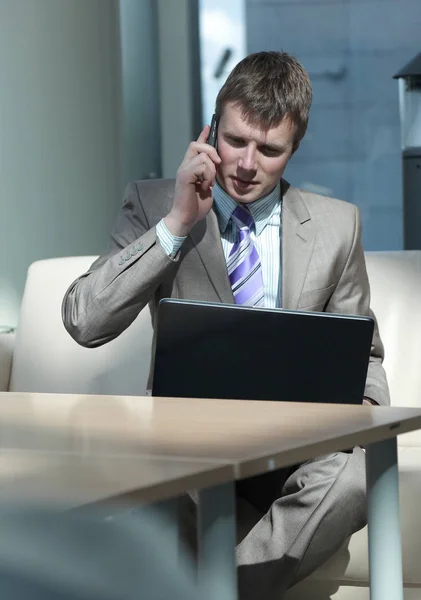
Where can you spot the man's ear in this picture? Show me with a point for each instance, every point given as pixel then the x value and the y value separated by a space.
pixel 295 147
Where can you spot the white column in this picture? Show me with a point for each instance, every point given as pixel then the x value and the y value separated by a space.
pixel 59 134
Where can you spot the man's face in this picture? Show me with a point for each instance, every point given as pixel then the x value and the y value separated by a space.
pixel 253 159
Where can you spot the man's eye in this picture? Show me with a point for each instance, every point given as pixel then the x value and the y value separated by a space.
pixel 270 152
pixel 236 142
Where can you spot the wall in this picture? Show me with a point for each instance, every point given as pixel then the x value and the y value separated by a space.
pixel 59 152
pixel 79 117
pixel 351 49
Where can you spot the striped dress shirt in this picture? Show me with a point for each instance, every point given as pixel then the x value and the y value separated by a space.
pixel 267 213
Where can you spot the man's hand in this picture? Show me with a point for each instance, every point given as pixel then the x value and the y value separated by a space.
pixel 193 197
pixel 369 401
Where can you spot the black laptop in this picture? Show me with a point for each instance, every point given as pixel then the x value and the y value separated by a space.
pixel 211 350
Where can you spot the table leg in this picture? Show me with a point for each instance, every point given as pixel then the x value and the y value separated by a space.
pixel 217 540
pixel 384 538
pixel 167 510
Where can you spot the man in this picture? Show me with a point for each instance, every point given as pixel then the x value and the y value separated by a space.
pixel 231 229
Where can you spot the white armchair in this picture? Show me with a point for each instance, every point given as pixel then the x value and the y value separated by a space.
pixel 7 340
pixel 46 359
pixel 395 279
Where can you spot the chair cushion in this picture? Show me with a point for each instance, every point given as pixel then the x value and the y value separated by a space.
pixel 395 282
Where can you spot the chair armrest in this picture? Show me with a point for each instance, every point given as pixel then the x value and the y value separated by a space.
pixel 7 339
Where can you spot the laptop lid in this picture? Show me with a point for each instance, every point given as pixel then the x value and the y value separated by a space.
pixel 212 350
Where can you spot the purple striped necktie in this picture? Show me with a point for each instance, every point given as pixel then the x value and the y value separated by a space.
pixel 243 264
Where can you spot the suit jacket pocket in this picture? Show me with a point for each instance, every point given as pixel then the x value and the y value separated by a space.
pixel 315 299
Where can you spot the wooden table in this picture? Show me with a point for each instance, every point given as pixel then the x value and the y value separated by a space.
pixel 252 437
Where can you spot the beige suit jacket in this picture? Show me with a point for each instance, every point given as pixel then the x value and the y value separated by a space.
pixel 323 268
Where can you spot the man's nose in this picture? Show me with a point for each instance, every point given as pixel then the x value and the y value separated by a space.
pixel 247 159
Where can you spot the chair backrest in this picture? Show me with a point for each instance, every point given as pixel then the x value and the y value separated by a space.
pixel 46 359
pixel 395 281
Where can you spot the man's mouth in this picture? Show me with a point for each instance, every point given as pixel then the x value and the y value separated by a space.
pixel 243 182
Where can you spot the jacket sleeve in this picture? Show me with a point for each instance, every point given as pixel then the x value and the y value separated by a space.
pixel 105 300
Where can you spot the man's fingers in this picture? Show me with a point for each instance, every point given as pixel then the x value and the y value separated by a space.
pixel 204 134
pixel 200 146
pixel 196 149
pixel 205 170
pixel 209 150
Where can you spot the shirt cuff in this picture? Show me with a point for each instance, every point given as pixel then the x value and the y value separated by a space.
pixel 370 401
pixel 170 243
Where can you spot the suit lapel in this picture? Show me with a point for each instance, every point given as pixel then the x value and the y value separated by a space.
pixel 207 239
pixel 298 237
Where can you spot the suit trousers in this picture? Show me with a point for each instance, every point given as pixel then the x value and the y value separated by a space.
pixel 315 507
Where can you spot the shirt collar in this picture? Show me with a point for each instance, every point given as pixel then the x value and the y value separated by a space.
pixel 261 210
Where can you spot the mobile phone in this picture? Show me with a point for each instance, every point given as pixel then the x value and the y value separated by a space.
pixel 213 134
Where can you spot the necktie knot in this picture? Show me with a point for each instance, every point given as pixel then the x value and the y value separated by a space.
pixel 243 217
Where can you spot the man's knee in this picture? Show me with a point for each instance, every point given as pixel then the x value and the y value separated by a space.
pixel 338 479
pixel 353 490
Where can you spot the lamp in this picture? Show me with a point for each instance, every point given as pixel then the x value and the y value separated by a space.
pixel 409 78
